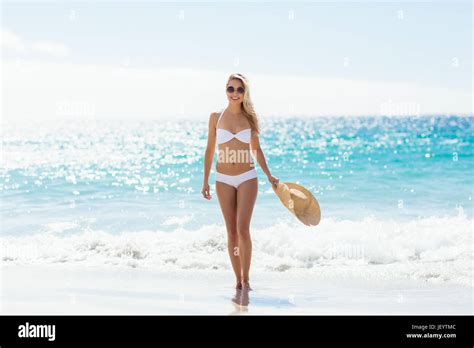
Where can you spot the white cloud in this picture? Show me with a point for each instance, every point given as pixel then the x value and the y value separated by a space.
pixel 49 47
pixel 14 43
pixel 35 89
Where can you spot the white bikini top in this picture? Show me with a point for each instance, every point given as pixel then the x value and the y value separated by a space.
pixel 223 135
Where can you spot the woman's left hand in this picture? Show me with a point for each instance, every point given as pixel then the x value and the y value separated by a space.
pixel 273 180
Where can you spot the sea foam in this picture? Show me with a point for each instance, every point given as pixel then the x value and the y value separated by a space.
pixel 436 249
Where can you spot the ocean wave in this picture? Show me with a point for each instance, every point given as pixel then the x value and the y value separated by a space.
pixel 436 249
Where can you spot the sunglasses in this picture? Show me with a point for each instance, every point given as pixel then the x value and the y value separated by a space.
pixel 231 89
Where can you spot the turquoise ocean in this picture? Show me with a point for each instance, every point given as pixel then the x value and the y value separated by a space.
pixel 393 190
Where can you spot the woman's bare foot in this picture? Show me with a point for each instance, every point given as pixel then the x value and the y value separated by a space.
pixel 246 286
pixel 239 285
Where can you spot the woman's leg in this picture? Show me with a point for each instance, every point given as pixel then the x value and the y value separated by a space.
pixel 227 196
pixel 246 197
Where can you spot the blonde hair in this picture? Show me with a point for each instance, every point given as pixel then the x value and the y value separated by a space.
pixel 247 105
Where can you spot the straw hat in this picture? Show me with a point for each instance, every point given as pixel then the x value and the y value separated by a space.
pixel 300 202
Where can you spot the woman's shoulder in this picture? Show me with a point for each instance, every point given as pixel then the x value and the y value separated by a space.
pixel 214 117
pixel 216 114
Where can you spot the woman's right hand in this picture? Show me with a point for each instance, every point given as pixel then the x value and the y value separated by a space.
pixel 206 192
pixel 273 180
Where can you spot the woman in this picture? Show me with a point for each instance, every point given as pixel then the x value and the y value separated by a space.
pixel 236 131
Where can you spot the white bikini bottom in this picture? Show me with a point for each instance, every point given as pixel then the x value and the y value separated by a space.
pixel 236 180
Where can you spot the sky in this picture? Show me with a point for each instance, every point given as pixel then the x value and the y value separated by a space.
pixel 159 60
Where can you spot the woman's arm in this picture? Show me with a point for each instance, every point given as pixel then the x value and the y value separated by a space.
pixel 209 154
pixel 258 153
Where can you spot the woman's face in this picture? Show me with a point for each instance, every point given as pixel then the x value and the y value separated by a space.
pixel 235 96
